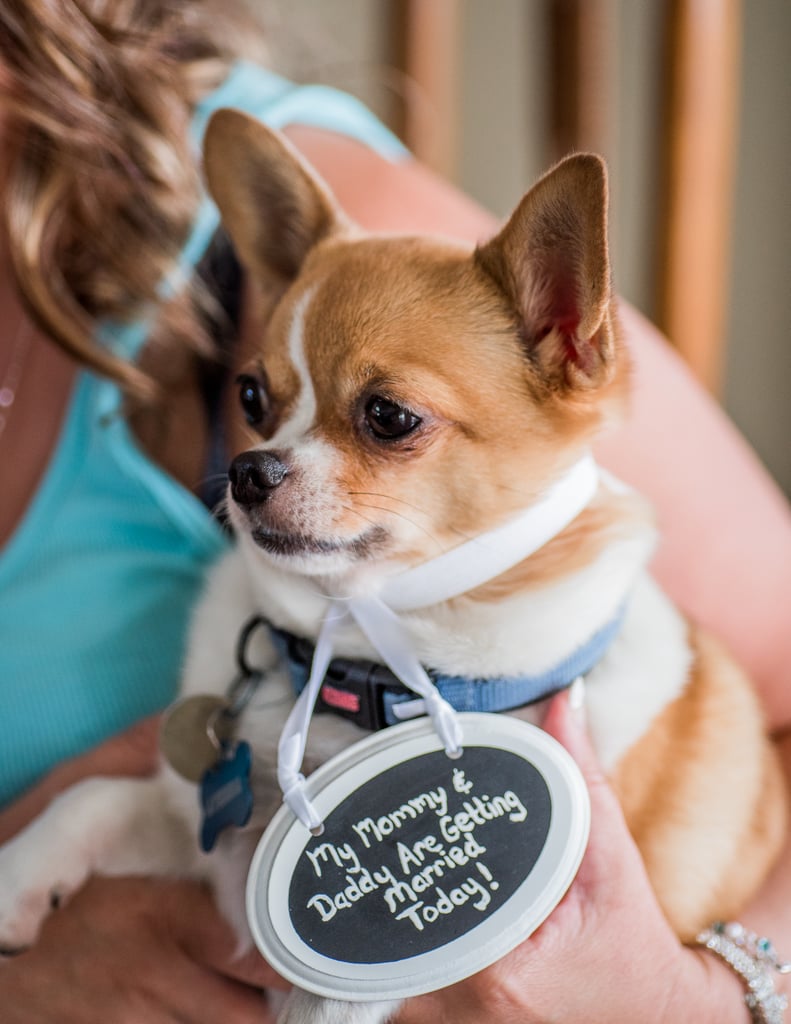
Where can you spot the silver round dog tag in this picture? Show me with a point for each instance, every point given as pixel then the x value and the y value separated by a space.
pixel 192 732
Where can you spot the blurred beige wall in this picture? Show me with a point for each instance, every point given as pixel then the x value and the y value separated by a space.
pixel 502 145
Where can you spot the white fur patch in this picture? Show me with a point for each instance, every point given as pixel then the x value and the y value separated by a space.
pixel 646 669
pixel 316 461
pixel 304 416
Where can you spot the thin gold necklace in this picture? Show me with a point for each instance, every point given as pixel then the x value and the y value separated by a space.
pixel 9 385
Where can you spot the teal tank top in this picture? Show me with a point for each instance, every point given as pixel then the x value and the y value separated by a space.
pixel 98 581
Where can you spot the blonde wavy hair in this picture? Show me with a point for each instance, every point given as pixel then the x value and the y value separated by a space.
pixel 100 183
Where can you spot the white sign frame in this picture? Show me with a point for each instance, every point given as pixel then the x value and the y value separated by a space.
pixel 286 838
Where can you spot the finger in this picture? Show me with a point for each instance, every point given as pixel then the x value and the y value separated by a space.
pixel 207 937
pixel 252 968
pixel 133 752
pixel 565 721
pixel 162 987
pixel 610 847
pixel 200 995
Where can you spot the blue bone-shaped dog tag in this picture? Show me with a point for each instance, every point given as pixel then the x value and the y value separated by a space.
pixel 225 794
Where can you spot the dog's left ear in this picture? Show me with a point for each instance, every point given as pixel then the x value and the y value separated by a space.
pixel 273 205
pixel 551 260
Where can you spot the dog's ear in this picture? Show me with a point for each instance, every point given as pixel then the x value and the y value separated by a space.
pixel 551 260
pixel 274 207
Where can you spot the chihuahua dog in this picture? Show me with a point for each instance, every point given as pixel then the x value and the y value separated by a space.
pixel 408 395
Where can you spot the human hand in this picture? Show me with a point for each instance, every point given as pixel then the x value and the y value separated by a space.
pixel 606 955
pixel 129 950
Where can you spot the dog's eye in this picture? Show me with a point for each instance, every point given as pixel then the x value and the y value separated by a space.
pixel 252 399
pixel 388 421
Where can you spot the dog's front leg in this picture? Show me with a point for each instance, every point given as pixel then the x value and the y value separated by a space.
pixel 304 1008
pixel 99 826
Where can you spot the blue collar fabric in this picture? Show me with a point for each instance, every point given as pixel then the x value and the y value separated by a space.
pixel 367 693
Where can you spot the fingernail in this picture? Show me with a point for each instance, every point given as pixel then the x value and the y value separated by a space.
pixel 577 701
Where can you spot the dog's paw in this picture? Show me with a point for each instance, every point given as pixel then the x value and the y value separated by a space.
pixel 21 917
pixel 305 1008
pixel 33 880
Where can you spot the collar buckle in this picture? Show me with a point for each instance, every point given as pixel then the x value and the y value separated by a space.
pixel 359 690
pixel 356 690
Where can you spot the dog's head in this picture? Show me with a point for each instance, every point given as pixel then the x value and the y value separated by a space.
pixel 409 393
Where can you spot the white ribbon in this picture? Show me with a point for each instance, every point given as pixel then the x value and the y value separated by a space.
pixel 455 572
pixel 490 554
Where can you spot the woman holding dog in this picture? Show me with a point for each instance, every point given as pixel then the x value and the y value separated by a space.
pixel 99 194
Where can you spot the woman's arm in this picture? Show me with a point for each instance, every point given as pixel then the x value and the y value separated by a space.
pixel 725 528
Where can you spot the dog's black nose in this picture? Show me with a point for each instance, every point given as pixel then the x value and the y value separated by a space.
pixel 254 475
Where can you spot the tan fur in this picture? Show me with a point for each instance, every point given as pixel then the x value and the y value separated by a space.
pixel 608 518
pixel 513 359
pixel 703 762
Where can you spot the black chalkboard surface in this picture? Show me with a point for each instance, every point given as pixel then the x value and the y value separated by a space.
pixel 391 878
pixel 428 869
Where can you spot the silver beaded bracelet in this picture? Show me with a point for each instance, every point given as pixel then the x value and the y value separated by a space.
pixel 755 960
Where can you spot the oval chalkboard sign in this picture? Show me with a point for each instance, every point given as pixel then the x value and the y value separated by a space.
pixel 429 868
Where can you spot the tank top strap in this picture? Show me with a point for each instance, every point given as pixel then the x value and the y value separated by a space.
pixel 278 102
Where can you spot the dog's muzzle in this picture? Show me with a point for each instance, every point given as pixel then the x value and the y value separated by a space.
pixel 254 476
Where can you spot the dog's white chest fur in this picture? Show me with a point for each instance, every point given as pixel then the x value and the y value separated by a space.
pixel 644 669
